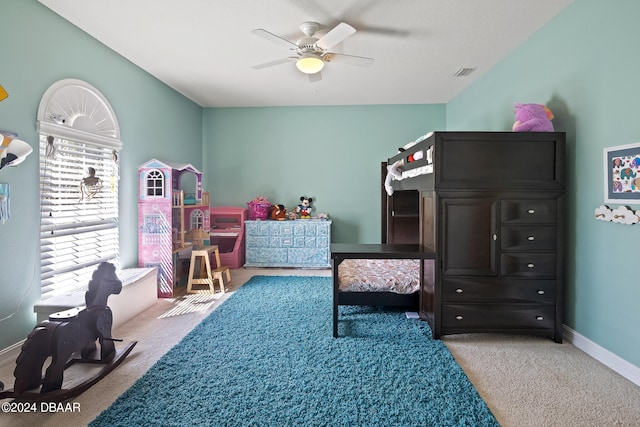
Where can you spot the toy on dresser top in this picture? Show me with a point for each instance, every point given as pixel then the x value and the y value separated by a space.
pixel 532 118
pixel 304 208
pixel 278 212
pixel 263 209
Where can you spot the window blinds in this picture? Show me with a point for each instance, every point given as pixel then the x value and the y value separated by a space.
pixel 79 221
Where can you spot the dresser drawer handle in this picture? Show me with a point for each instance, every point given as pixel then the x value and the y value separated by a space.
pixel 531 238
pixel 531 211
pixel 459 291
pixel 530 265
pixel 539 318
pixel 540 292
pixel 458 317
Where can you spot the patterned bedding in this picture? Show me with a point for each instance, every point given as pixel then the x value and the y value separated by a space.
pixel 401 276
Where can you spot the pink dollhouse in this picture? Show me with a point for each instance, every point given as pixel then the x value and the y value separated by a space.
pixel 171 204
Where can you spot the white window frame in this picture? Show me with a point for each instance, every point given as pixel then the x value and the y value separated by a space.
pixel 78 230
pixel 158 183
pixel 196 220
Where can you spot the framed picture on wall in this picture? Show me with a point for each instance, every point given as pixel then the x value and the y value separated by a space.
pixel 622 174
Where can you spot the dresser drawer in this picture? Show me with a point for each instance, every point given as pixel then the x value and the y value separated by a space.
pixel 498 290
pixel 281 241
pixel 309 257
pixel 528 238
pixel 528 264
pixel 528 211
pixel 493 316
pixel 257 241
pixel 264 256
pixel 284 229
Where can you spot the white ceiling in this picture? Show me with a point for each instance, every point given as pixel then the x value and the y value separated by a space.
pixel 205 50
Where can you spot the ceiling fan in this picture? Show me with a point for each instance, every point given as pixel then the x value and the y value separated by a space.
pixel 311 53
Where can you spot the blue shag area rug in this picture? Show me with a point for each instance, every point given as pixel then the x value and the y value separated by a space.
pixel 267 357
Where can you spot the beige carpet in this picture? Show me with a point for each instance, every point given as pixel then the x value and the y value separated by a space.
pixel 526 381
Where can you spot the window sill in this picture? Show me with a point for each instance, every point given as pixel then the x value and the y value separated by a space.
pixel 139 292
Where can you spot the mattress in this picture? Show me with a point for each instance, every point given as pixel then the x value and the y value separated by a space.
pixel 401 276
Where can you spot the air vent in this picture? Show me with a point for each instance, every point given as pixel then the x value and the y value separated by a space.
pixel 463 72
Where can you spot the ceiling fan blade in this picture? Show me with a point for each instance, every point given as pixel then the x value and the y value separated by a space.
pixel 273 38
pixel 335 36
pixel 316 77
pixel 272 63
pixel 360 61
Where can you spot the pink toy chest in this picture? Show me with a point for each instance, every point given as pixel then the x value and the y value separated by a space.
pixel 227 231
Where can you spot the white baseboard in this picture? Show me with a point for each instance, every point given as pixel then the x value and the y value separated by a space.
pixel 10 354
pixel 604 356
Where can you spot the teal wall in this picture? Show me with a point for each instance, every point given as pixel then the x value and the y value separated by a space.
pixel 38 48
pixel 331 154
pixel 583 66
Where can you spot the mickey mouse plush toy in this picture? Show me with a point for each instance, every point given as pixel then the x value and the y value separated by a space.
pixel 304 208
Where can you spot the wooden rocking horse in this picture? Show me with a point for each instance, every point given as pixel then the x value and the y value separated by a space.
pixel 65 336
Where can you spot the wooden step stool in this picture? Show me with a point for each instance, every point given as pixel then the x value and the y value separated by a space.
pixel 207 276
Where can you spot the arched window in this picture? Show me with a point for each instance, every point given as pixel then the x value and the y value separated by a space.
pixel 196 220
pixel 155 183
pixel 79 148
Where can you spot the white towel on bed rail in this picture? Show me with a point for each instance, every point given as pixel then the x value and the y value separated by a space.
pixel 401 276
pixel 395 171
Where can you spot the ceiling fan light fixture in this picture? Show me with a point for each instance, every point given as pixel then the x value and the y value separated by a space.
pixel 310 63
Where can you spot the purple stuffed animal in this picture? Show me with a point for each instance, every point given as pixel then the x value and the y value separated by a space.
pixel 532 118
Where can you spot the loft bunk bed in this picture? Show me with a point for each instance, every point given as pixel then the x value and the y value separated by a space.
pixel 491 210
pixel 388 274
pixel 489 227
pixel 376 275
